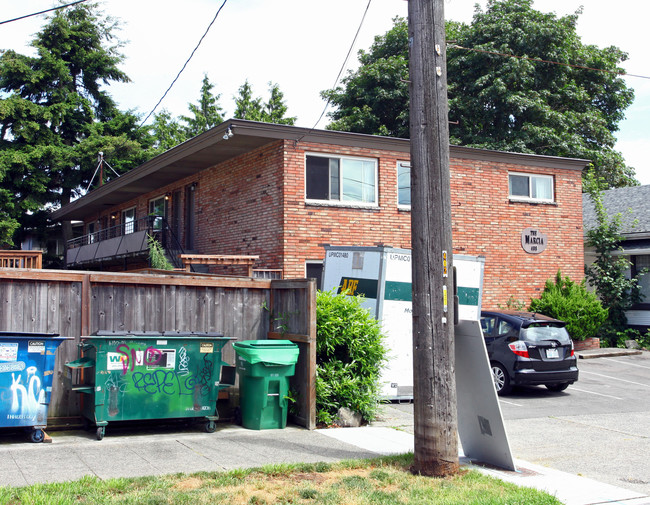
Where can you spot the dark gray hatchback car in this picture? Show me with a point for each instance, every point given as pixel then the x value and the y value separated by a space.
pixel 528 349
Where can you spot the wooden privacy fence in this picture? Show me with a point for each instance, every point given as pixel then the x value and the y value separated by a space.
pixel 74 303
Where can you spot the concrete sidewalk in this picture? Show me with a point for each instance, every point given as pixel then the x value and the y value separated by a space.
pixel 130 453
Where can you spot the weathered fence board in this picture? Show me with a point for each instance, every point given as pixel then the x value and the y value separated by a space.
pixel 82 303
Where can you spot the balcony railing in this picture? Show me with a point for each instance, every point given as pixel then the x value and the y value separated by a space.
pixel 127 239
pixel 21 259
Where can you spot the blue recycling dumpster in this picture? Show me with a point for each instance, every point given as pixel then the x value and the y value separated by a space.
pixel 26 371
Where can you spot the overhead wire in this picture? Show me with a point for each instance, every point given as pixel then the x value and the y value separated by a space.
pixel 42 12
pixel 185 64
pixel 345 62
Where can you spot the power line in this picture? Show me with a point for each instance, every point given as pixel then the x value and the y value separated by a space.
pixel 345 62
pixel 42 12
pixel 539 60
pixel 185 64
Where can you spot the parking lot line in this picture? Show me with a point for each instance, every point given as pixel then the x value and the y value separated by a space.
pixel 615 378
pixel 594 393
pixel 626 363
pixel 510 403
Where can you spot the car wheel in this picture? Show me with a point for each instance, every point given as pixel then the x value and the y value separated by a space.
pixel 501 379
pixel 557 387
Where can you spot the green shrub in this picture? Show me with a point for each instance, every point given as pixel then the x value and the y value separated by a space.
pixel 157 258
pixel 572 303
pixel 349 357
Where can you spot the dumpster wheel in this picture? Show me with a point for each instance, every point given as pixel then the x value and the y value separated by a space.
pixel 210 427
pixel 101 431
pixel 37 436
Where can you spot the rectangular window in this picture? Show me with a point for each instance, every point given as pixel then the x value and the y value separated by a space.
pixel 641 262
pixel 158 208
pixel 314 270
pixel 530 187
pixel 128 221
pixel 404 183
pixel 341 179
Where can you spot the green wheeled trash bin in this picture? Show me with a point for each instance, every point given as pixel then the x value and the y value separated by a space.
pixel 264 368
pixel 26 369
pixel 129 376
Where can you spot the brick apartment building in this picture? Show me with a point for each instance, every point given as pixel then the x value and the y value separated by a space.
pixel 282 193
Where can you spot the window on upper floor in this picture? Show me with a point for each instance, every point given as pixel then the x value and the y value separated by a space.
pixel 158 208
pixel 530 187
pixel 128 221
pixel 338 179
pixel 404 184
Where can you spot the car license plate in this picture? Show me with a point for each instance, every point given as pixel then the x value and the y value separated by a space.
pixel 552 353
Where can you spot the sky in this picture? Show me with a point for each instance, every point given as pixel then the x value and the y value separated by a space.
pixel 301 45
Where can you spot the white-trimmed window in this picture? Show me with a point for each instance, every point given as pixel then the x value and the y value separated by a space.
pixel 128 221
pixel 339 179
pixel 530 187
pixel 158 208
pixel 404 184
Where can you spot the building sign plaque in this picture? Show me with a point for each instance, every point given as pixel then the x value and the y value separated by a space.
pixel 533 241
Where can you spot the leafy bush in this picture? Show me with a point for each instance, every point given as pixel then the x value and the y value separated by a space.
pixel 572 303
pixel 349 357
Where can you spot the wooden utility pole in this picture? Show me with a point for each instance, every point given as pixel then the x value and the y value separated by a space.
pixel 434 391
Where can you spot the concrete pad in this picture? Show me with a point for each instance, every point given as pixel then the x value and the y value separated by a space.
pixel 384 441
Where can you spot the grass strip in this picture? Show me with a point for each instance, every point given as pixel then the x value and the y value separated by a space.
pixel 379 481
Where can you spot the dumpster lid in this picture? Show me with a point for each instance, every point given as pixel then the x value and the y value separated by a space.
pixel 30 334
pixel 105 334
pixel 278 352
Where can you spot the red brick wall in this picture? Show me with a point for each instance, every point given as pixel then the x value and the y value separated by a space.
pixel 485 222
pixel 239 205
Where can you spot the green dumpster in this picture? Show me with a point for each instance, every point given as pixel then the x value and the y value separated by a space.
pixel 264 368
pixel 127 376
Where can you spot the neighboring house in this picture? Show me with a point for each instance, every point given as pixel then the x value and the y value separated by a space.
pixel 283 192
pixel 633 204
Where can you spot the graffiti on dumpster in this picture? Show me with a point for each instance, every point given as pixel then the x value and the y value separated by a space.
pixel 126 358
pixel 167 382
pixel 28 396
pixel 183 361
pixel 160 375
pixel 205 373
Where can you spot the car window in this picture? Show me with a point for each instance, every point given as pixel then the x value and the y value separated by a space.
pixel 505 328
pixel 540 332
pixel 487 325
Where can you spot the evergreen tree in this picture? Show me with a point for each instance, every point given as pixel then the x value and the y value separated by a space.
pixel 275 109
pixel 247 107
pixel 55 116
pixel 206 114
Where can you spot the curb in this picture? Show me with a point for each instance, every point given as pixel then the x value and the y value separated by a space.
pixel 607 352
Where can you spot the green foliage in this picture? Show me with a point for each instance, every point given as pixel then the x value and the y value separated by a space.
pixel 500 102
pixel 608 274
pixel 349 357
pixel 570 302
pixel 55 116
pixel 513 304
pixel 254 109
pixel 206 114
pixel 157 258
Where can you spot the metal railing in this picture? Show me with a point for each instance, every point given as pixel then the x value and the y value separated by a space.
pixel 156 227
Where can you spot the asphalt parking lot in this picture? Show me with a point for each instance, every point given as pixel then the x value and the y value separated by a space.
pixel 599 427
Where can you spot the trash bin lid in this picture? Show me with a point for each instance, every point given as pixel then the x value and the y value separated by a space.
pixel 35 335
pixel 279 352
